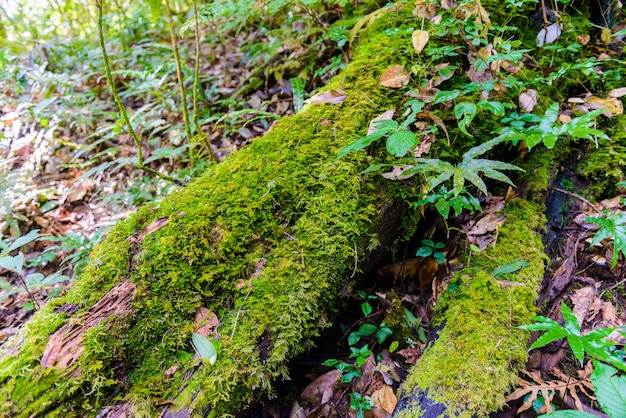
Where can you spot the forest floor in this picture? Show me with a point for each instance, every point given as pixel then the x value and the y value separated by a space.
pixel 53 186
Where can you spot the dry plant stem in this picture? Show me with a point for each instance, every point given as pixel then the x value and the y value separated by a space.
pixel 574 195
pixel 120 105
pixel 28 291
pixel 196 78
pixel 179 76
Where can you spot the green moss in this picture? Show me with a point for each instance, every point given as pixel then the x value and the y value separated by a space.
pixel 604 166
pixel 474 362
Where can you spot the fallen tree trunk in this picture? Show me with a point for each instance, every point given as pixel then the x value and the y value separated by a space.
pixel 253 255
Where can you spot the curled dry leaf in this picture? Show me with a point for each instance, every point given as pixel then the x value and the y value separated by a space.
pixel 583 39
pixel 394 77
pixel 335 96
pixel 321 389
pixel 420 39
pixel 528 100
pixel 549 34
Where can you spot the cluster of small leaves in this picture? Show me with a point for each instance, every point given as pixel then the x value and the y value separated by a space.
pixel 545 129
pixel 15 264
pixel 611 226
pixel 430 248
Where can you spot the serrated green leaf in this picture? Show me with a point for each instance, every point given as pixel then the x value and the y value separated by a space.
pixel 548 337
pixel 578 349
pixel 353 338
pixel 609 389
pixel 383 127
pixel 571 322
pixel 20 241
pixel 204 347
pixel 401 142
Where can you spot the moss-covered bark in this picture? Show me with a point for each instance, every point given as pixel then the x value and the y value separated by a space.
pixel 263 240
pixel 474 361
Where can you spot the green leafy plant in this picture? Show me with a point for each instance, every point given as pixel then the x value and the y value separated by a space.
pixel 445 199
pixel 611 226
pixel 545 129
pixel 15 263
pixel 594 343
pixel 430 248
pixel 360 404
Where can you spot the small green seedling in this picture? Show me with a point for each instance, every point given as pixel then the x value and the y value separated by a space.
pixel 434 249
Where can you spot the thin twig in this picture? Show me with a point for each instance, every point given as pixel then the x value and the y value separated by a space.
pixel 574 195
pixel 196 78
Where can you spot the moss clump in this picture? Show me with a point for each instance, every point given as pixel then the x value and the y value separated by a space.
pixel 475 360
pixel 604 166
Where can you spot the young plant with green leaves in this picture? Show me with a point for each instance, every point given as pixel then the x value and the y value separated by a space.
pixel 594 343
pixel 612 226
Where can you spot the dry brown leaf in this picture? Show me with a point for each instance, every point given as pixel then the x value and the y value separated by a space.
pixel 617 93
pixel 437 120
pixel 206 323
pixel 425 9
pixel 388 115
pixel 335 96
pixel 438 78
pixel 424 93
pixel 396 173
pixel 297 411
pixel 394 77
pixel 583 39
pixel 420 39
pixel 528 100
pixel 611 105
pixel 321 389
pixel 385 398
pixel 582 300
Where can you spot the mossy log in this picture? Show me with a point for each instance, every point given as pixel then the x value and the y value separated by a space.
pixel 254 254
pixel 478 348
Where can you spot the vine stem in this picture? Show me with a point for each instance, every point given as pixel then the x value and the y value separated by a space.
pixel 179 76
pixel 107 69
pixel 196 77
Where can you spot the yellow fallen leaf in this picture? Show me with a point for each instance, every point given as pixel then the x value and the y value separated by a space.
pixel 394 77
pixel 611 105
pixel 420 39
pixel 385 398
pixel 605 35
